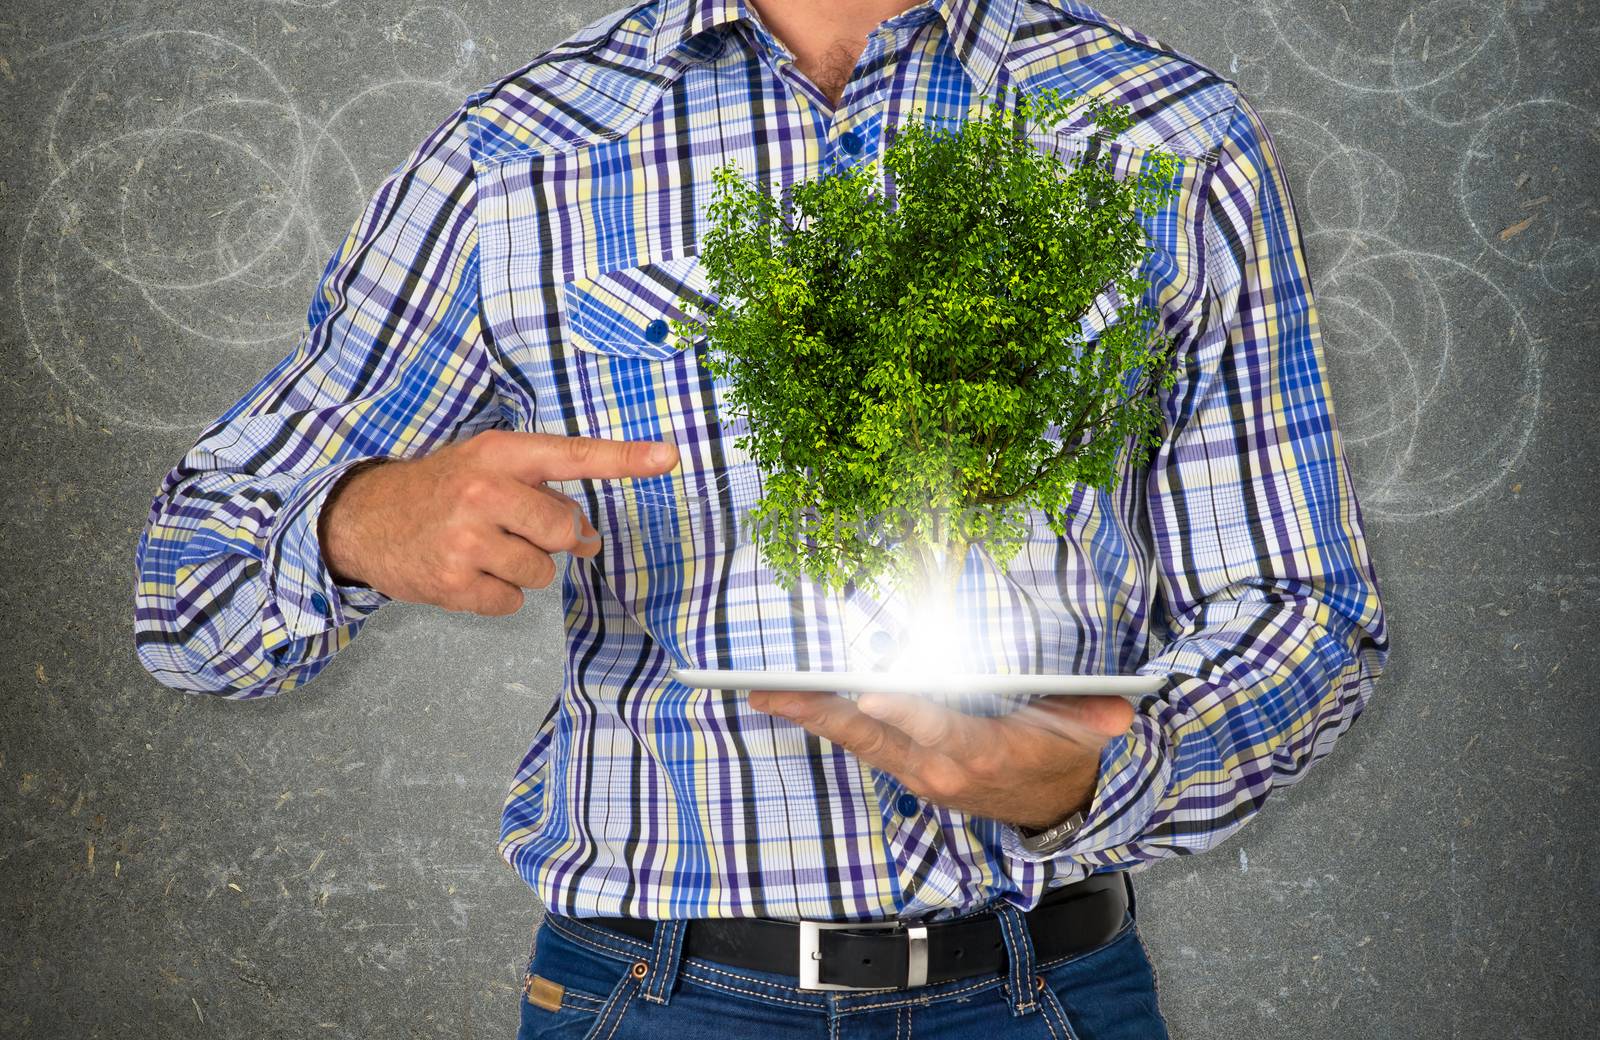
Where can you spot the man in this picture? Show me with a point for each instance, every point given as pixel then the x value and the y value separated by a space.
pixel 497 322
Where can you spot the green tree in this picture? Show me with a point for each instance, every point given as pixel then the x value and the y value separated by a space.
pixel 910 363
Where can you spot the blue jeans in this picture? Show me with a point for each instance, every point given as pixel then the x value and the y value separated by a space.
pixel 614 987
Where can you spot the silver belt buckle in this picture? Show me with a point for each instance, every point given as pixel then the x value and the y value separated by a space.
pixel 811 952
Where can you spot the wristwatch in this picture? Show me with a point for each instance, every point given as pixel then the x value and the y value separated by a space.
pixel 1051 839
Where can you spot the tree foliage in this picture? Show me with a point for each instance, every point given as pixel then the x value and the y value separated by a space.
pixel 910 362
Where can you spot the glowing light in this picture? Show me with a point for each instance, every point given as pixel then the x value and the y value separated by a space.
pixel 933 644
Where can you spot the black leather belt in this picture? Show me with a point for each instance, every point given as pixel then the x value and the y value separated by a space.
pixel 900 954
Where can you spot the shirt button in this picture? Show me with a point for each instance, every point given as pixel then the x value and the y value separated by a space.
pixel 850 142
pixel 907 804
pixel 656 331
pixel 319 603
pixel 881 642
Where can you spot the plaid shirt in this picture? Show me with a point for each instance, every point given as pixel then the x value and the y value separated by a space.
pixel 519 270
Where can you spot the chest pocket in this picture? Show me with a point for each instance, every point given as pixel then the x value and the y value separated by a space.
pixel 629 312
pixel 1170 242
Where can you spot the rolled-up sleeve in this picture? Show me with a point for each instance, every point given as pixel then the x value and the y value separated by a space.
pixel 232 595
pixel 1276 629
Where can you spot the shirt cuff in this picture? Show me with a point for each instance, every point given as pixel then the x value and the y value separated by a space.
pixel 309 601
pixel 1135 775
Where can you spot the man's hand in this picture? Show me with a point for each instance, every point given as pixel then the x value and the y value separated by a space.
pixel 1034 767
pixel 469 526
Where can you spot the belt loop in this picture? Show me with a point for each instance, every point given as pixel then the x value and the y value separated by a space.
pixel 1021 990
pixel 665 949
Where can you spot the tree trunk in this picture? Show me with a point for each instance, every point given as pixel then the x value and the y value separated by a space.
pixel 955 559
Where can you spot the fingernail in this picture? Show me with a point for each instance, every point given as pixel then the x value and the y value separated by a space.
pixel 662 453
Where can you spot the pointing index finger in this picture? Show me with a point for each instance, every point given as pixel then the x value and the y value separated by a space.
pixel 544 457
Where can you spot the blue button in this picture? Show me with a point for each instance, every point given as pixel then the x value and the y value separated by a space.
pixel 850 142
pixel 907 804
pixel 881 642
pixel 656 331
pixel 319 603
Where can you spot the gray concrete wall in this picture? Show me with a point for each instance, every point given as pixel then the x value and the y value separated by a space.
pixel 176 172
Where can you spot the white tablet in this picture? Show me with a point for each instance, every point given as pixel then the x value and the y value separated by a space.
pixel 945 683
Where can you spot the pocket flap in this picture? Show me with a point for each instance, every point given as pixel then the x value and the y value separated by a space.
pixel 628 312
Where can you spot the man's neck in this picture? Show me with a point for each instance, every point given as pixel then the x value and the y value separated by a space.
pixel 827 39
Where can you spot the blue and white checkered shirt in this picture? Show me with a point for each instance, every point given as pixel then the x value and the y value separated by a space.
pixel 517 272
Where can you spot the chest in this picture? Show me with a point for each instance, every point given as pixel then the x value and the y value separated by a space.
pixel 587 257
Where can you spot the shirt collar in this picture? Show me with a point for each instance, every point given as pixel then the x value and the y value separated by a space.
pixel 679 21
pixel 980 34
pixel 980 30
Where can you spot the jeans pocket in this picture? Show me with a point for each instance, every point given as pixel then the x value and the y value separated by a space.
pixel 573 993
pixel 1107 993
pixel 568 1021
pixel 1055 1016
